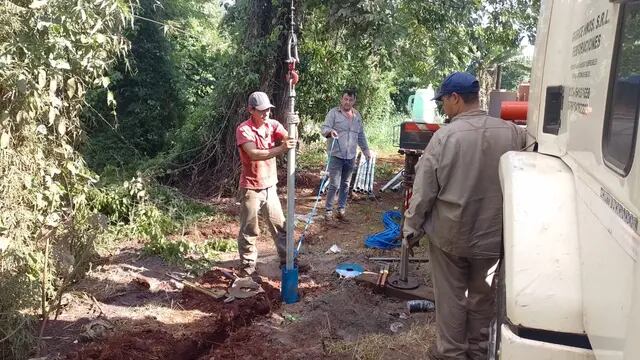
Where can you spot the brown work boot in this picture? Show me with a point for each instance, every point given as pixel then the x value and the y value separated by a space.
pixel 328 216
pixel 246 270
pixel 250 272
pixel 256 278
pixel 303 267
pixel 341 215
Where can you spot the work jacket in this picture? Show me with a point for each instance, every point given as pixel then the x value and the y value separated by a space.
pixel 457 200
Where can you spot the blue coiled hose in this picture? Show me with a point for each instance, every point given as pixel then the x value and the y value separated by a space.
pixel 390 237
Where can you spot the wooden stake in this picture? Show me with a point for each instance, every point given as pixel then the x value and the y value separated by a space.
pixel 217 294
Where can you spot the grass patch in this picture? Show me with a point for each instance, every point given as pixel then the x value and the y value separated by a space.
pixel 313 156
pixel 195 258
pixel 385 171
pixel 181 209
pixel 382 135
pixel 411 344
pixel 151 212
pixel 17 333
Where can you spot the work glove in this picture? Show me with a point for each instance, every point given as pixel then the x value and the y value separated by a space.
pixel 410 241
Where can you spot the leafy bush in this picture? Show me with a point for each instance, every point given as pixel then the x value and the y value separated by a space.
pixel 140 208
pixel 193 257
pixel 51 53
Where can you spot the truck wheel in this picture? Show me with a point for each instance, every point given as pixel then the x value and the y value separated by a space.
pixel 501 315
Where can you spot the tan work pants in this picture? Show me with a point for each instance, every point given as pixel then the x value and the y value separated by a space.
pixel 460 316
pixel 266 203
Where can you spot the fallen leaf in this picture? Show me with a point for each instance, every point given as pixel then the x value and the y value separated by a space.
pixel 5 139
pixel 38 4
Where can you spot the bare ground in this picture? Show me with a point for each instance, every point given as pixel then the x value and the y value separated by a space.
pixel 128 308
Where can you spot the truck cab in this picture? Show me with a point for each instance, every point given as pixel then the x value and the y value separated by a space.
pixel 569 283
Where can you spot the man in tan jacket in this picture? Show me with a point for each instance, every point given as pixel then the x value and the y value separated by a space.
pixel 457 203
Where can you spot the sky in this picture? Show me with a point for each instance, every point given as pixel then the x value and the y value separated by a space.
pixel 527 49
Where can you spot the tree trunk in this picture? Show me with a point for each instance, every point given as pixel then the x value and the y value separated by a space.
pixel 486 78
pixel 215 170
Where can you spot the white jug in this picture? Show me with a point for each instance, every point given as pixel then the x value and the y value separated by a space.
pixel 421 107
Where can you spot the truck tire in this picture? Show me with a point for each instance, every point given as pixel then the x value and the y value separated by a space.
pixel 501 315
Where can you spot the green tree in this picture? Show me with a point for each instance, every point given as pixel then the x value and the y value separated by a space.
pixel 145 89
pixel 515 72
pixel 383 48
pixel 51 53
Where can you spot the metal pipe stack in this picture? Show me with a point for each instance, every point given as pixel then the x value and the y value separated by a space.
pixel 397 185
pixel 395 182
pixel 371 176
pixel 365 175
pixel 359 174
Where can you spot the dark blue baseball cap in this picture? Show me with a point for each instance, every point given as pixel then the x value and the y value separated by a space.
pixel 458 82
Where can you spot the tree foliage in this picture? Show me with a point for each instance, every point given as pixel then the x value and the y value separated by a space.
pixel 181 102
pixel 159 87
pixel 51 52
pixel 144 89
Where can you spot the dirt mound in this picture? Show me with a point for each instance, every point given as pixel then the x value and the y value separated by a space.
pixel 203 231
pixel 241 310
pixel 308 180
pixel 156 318
pixel 247 344
pixel 150 341
pixel 151 344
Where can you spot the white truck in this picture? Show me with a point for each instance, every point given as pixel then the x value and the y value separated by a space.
pixel 570 280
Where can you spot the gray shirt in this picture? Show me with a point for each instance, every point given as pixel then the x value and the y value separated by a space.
pixel 457 200
pixel 350 133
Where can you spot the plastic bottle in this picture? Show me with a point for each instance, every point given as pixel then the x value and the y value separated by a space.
pixel 414 306
pixel 421 107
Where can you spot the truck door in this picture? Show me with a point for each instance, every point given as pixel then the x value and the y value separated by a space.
pixel 602 114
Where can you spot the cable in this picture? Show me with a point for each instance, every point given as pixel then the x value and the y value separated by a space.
pixel 390 237
pixel 313 212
